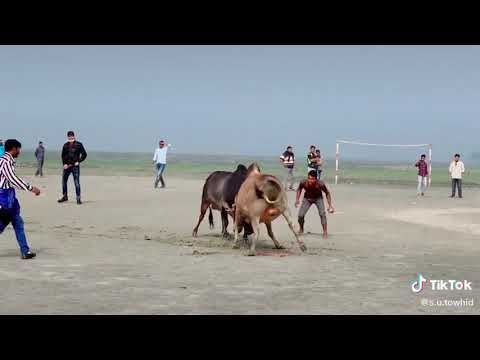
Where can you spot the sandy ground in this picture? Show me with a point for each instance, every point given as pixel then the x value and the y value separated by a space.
pixel 94 258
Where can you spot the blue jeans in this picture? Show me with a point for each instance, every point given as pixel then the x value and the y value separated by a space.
pixel 319 173
pixel 10 213
pixel 160 169
pixel 75 170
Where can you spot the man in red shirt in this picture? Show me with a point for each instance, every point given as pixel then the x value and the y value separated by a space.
pixel 422 175
pixel 314 190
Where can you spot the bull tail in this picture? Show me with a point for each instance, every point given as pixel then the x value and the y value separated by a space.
pixel 210 218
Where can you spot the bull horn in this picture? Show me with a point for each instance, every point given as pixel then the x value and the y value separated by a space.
pixel 265 197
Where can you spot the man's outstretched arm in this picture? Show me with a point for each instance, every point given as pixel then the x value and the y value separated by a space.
pixel 12 177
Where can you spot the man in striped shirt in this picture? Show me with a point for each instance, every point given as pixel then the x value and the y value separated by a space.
pixel 9 205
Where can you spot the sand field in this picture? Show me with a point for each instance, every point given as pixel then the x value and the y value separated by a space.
pixel 128 250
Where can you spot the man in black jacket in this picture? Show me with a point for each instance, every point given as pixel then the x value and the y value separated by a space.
pixel 73 153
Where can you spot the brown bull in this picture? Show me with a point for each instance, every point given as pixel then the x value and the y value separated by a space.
pixel 262 199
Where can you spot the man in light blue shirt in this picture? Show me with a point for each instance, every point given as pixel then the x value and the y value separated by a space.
pixel 160 161
pixel 2 148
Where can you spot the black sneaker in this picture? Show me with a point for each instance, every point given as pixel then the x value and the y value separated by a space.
pixel 28 255
pixel 79 202
pixel 63 199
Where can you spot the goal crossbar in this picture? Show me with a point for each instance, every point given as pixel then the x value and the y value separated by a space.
pixel 337 160
pixel 370 144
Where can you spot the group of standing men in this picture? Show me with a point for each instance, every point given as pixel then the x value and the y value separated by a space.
pixel 73 153
pixel 456 170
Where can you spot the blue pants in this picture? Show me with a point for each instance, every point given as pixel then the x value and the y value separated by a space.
pixel 75 170
pixel 11 214
pixel 159 177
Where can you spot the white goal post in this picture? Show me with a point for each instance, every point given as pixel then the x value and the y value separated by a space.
pixel 337 160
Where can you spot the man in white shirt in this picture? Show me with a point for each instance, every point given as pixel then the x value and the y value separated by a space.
pixel 160 161
pixel 456 169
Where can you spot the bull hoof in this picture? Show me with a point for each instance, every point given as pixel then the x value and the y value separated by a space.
pixel 194 234
pixel 303 247
pixel 279 247
pixel 251 253
pixel 236 246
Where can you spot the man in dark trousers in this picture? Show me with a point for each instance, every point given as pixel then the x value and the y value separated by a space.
pixel 73 153
pixel 9 205
pixel 314 190
pixel 40 155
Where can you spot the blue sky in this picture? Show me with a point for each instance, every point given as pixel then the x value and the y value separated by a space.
pixel 251 100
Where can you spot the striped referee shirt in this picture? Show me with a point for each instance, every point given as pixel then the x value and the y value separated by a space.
pixel 8 178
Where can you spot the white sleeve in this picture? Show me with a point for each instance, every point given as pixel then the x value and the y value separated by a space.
pixel 155 155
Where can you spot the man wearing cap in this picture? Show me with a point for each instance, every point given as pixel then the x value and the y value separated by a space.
pixel 73 153
pixel 160 161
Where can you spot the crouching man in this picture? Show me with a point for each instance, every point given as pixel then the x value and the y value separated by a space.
pixel 314 190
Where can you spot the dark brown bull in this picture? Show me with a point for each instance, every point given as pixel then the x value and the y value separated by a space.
pixel 219 193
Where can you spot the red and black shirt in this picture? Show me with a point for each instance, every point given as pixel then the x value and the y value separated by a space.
pixel 313 190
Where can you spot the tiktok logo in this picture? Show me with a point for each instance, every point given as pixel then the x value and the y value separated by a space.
pixel 419 285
